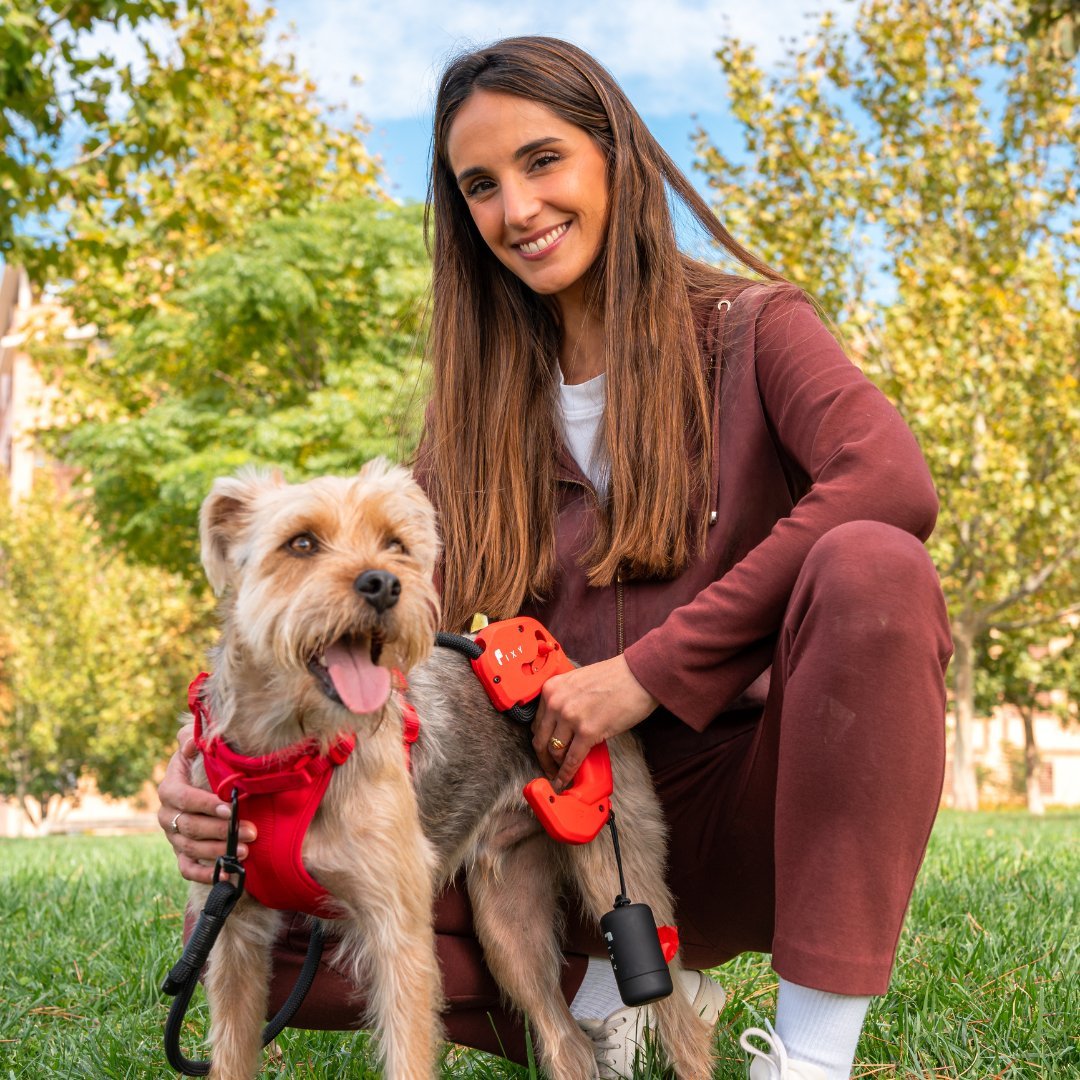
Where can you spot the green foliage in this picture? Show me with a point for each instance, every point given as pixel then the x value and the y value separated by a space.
pixel 1031 668
pixel 919 175
pixel 48 79
pixel 96 654
pixel 297 349
pixel 256 298
pixel 217 133
pixel 223 133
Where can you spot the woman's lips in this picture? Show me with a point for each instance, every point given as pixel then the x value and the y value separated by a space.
pixel 540 246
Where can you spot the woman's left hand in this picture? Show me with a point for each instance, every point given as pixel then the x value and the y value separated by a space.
pixel 582 708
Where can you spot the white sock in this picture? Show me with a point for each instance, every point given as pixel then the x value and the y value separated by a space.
pixel 598 995
pixel 820 1028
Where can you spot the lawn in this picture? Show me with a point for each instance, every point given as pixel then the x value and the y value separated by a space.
pixel 987 982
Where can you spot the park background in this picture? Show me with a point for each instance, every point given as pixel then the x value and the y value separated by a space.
pixel 213 255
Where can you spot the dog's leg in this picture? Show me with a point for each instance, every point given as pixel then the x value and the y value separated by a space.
pixel 238 988
pixel 686 1040
pixel 388 940
pixel 513 895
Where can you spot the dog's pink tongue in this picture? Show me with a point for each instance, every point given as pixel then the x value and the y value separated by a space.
pixel 362 685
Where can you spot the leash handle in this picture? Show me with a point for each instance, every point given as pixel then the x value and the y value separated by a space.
pixel 576 814
pixel 513 658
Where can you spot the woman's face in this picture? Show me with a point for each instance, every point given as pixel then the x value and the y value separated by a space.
pixel 536 186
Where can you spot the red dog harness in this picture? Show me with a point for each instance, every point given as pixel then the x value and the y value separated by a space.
pixel 279 793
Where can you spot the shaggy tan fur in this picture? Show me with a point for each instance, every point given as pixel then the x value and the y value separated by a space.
pixel 287 561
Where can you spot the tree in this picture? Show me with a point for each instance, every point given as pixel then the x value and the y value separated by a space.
pixel 95 660
pixel 1033 669
pixel 50 82
pixel 297 348
pixel 1056 23
pixel 219 135
pixel 919 175
pixel 255 295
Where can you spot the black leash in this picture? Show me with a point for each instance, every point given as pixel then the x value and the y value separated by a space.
pixel 181 981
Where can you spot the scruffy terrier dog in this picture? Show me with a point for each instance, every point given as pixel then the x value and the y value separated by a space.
pixel 326 587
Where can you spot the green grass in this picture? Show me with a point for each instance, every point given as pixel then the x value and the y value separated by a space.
pixel 987 981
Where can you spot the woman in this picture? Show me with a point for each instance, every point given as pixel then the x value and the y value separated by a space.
pixel 681 474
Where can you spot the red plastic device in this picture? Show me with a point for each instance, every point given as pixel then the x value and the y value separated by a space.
pixel 519 656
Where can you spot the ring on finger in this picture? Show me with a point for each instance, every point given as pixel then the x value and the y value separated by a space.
pixel 556 744
pixel 176 821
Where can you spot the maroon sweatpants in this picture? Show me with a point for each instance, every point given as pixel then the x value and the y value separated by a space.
pixel 797 830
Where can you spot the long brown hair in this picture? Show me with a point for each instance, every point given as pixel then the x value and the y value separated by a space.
pixel 490 443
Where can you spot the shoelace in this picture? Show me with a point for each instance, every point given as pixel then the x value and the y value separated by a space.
pixel 600 1034
pixel 776 1055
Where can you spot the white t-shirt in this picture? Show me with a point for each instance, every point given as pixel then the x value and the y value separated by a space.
pixel 581 410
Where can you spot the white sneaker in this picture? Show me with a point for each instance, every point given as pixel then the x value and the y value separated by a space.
pixel 775 1064
pixel 619 1039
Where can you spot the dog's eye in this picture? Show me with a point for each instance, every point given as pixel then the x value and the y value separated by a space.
pixel 395 545
pixel 304 544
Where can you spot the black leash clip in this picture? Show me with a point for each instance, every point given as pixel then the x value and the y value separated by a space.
pixel 222 899
pixel 229 865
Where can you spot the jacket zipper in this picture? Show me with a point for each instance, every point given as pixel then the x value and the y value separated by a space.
pixel 619 636
pixel 620 633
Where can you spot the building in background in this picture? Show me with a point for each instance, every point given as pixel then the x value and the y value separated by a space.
pixel 27 402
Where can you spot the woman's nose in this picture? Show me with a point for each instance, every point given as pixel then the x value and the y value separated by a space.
pixel 520 204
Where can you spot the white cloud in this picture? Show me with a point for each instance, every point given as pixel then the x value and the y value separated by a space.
pixel 661 53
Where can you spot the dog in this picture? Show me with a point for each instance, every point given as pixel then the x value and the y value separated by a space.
pixel 325 587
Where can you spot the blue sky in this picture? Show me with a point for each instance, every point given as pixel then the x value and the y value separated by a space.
pixel 381 58
pixel 661 53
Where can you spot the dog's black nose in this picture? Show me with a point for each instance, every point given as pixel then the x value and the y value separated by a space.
pixel 379 588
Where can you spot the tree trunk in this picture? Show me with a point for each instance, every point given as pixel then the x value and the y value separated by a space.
pixel 1031 764
pixel 965 788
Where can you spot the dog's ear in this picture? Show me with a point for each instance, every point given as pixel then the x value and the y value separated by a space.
pixel 375 468
pixel 225 512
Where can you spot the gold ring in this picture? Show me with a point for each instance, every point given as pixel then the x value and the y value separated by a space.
pixel 176 820
pixel 556 743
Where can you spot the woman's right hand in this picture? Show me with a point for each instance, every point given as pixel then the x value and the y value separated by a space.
pixel 195 821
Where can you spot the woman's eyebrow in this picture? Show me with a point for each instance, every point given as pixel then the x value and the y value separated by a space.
pixel 519 153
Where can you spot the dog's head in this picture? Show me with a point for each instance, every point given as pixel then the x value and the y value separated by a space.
pixel 329 582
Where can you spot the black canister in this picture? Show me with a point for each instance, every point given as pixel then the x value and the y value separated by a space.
pixel 636 957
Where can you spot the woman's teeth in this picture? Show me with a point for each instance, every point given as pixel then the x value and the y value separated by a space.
pixel 534 247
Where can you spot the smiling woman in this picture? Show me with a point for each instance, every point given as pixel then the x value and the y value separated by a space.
pixel 681 475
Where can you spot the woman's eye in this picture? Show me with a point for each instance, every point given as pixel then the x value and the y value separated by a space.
pixel 304 544
pixel 478 187
pixel 396 546
pixel 544 160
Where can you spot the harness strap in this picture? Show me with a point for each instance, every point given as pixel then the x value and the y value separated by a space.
pixel 410 718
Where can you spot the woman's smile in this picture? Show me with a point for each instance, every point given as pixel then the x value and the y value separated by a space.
pixel 535 247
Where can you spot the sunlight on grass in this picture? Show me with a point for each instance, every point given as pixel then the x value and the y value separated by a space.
pixel 987 980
